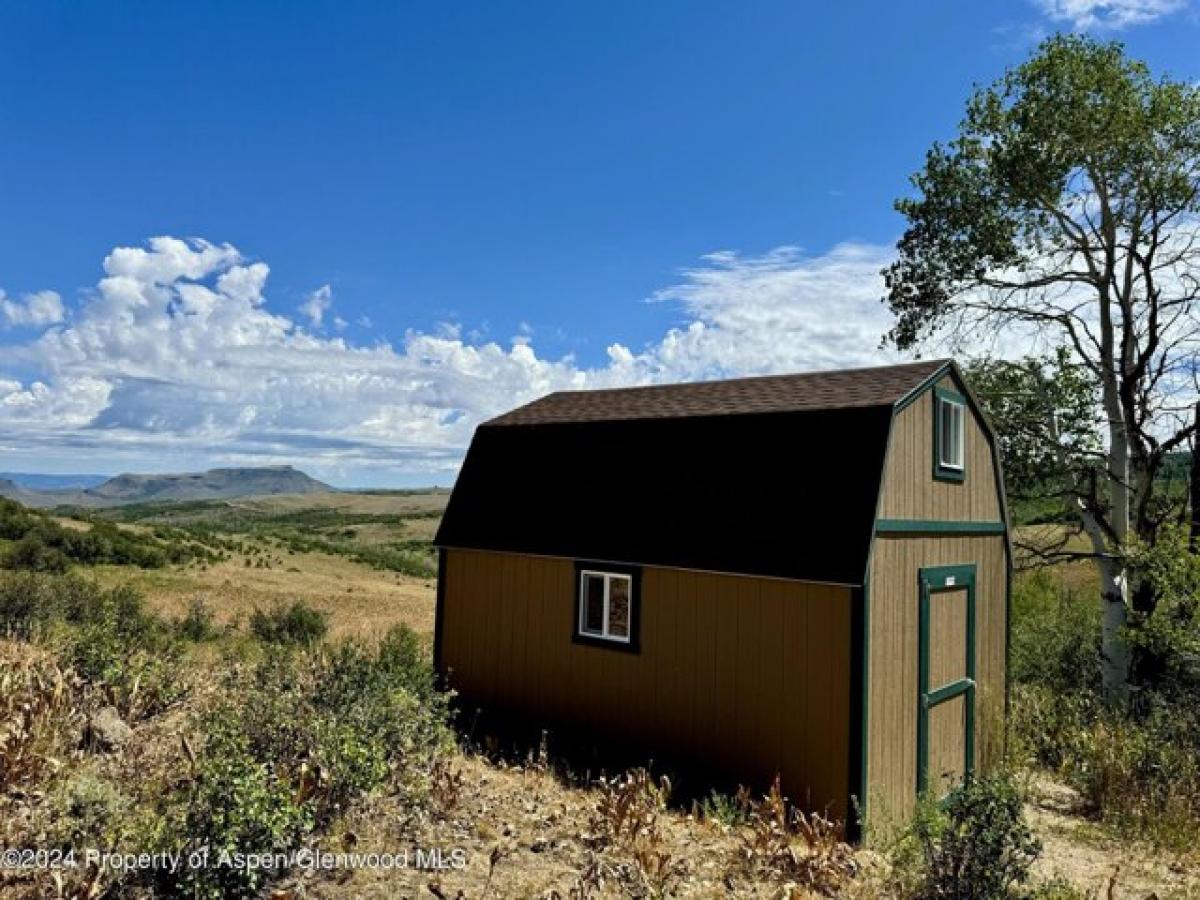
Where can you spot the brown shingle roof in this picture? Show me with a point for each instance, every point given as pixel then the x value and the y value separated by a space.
pixel 805 391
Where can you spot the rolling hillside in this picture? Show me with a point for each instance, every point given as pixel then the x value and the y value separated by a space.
pixel 215 484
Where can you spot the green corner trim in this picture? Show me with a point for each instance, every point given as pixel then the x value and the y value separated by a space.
pixel 865 712
pixel 929 526
pixel 934 377
pixel 940 472
pixel 932 580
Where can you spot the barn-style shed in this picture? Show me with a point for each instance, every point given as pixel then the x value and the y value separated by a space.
pixel 804 575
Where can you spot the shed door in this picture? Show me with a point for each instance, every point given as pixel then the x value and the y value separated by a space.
pixel 946 678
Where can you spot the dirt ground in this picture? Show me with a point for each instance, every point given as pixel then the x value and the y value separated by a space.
pixel 525 835
pixel 1076 849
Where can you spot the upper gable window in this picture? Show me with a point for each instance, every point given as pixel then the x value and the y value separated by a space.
pixel 949 436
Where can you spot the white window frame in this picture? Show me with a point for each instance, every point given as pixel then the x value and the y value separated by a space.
pixel 960 438
pixel 603 634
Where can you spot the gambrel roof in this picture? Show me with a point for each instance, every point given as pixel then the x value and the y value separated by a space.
pixel 775 475
pixel 801 392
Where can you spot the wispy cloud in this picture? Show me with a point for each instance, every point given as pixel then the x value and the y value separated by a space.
pixel 176 355
pixel 33 310
pixel 317 304
pixel 1114 15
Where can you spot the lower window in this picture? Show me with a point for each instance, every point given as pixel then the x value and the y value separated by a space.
pixel 606 606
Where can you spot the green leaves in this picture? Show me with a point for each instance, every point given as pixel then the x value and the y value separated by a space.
pixel 978 846
pixel 297 740
pixel 1075 151
pixel 1044 411
pixel 1168 640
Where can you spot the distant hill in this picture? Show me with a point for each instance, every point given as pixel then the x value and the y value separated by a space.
pixel 38 482
pixel 10 490
pixel 215 484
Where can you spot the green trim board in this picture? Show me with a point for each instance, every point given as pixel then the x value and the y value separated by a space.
pixel 934 377
pixel 930 526
pixel 932 580
pixel 948 691
pixel 940 472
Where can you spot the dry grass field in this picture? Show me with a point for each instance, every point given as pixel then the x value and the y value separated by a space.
pixel 361 602
pixel 530 827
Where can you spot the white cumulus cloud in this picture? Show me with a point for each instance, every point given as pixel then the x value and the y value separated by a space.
pixel 1109 14
pixel 176 356
pixel 35 310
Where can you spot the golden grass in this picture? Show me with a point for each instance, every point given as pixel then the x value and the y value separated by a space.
pixel 432 501
pixel 1078 574
pixel 361 602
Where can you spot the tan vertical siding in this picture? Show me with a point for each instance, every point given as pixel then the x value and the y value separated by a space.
pixel 750 675
pixel 893 648
pixel 947 637
pixel 909 489
pixel 947 721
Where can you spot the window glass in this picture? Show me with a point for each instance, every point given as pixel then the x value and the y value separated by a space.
pixel 944 432
pixel 618 606
pixel 606 606
pixel 593 604
pixel 950 434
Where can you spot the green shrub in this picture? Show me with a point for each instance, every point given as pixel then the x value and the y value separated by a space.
pixel 29 603
pixel 297 624
pixel 108 637
pixel 238 804
pixel 1166 640
pixel 87 811
pixel 402 660
pixel 120 647
pixel 1045 725
pixel 32 554
pixel 730 810
pixel 1142 775
pixel 295 741
pixel 1139 768
pixel 407 557
pixel 43 545
pixel 199 623
pixel 1055 635
pixel 1057 888
pixel 974 845
pixel 34 601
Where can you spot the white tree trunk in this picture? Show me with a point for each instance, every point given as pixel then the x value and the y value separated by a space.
pixel 1114 584
pixel 1114 580
pixel 1114 649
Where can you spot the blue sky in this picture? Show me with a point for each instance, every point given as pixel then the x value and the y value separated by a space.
pixel 460 206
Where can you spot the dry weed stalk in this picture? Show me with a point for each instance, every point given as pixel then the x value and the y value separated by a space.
pixel 589 883
pixel 628 817
pixel 446 785
pixel 37 710
pixel 783 842
pixel 628 806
